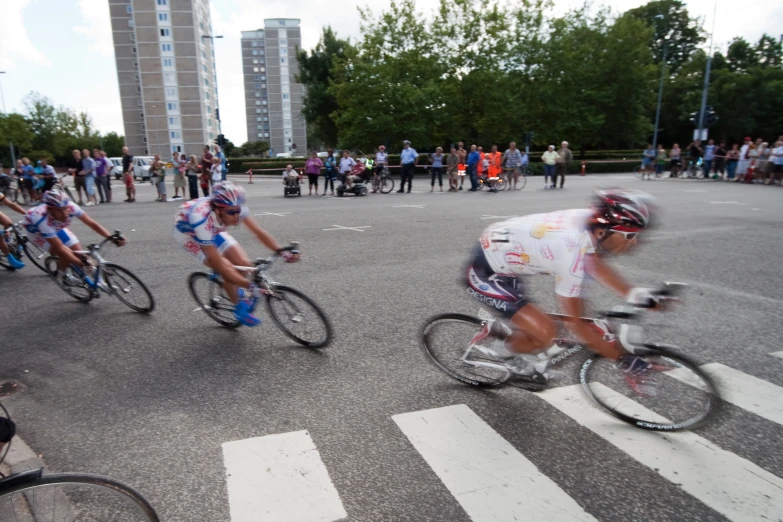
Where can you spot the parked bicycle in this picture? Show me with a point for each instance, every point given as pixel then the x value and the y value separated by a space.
pixel 99 276
pixel 677 395
pixel 19 244
pixel 298 316
pixel 383 182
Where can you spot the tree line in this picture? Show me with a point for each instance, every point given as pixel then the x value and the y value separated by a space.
pixel 492 71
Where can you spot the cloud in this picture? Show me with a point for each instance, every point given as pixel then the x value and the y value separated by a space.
pixel 95 14
pixel 14 43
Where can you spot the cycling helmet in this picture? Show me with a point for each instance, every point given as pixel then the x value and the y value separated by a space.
pixel 55 198
pixel 626 210
pixel 226 194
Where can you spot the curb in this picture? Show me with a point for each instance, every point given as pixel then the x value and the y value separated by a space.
pixel 21 458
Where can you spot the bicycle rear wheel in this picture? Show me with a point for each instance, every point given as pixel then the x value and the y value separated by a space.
pixel 299 317
pixel 211 298
pixel 673 395
pixel 122 283
pixel 449 341
pixel 386 184
pixel 36 254
pixel 12 241
pixel 73 498
pixel 77 289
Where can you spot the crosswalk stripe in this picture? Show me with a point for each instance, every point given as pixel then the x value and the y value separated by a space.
pixel 489 478
pixel 777 354
pixel 279 478
pixel 729 484
pixel 746 391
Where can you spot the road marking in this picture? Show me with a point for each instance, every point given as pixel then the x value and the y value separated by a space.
pixel 694 191
pixel 279 478
pixel 281 214
pixel 746 391
pixel 489 478
pixel 357 229
pixel 197 309
pixel 777 354
pixel 729 484
pixel 725 203
pixel 487 216
pixel 408 206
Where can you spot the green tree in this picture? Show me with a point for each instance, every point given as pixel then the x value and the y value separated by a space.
pixel 229 148
pixel 14 127
pixel 741 55
pixel 112 144
pixel 253 148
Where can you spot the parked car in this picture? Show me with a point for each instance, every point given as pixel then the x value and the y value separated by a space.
pixel 141 167
pixel 116 169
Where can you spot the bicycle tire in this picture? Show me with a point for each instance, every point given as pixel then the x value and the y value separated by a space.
pixel 12 243
pixel 427 338
pixel 676 371
pixel 216 296
pixel 36 255
pixel 53 270
pixel 638 171
pixel 386 184
pixel 73 497
pixel 111 272
pixel 279 295
pixel 522 180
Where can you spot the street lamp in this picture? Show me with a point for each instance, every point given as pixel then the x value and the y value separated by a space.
pixel 214 65
pixel 707 76
pixel 660 91
pixel 10 142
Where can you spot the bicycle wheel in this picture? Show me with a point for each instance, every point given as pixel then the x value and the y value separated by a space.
pixel 13 247
pixel 78 289
pixel 449 341
pixel 211 298
pixel 386 184
pixel 499 184
pixel 522 181
pixel 36 254
pixel 673 395
pixel 73 498
pixel 299 317
pixel 122 282
pixel 638 171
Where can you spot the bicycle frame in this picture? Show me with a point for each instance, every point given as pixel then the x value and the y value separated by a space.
pixel 94 252
pixel 259 276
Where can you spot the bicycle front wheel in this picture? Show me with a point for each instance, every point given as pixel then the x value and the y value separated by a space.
pixel 450 341
pixel 299 317
pixel 211 298
pixel 36 254
pixel 386 185
pixel 673 394
pixel 75 498
pixel 128 288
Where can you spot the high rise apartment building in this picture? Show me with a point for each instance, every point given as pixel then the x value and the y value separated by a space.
pixel 166 71
pixel 273 99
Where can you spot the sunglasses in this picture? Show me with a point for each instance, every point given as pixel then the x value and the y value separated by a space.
pixel 232 212
pixel 628 235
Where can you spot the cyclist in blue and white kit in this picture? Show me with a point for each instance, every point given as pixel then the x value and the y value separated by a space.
pixel 200 229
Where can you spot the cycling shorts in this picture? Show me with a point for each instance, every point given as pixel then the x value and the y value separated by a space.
pixel 223 241
pixel 505 294
pixel 64 235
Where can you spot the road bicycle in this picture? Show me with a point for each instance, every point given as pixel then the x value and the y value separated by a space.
pixel 19 244
pixel 31 496
pixel 521 177
pixel 496 183
pixel 298 316
pixel 383 182
pixel 100 276
pixel 675 394
pixel 641 170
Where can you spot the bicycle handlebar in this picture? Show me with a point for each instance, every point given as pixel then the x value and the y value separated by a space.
pixel 668 292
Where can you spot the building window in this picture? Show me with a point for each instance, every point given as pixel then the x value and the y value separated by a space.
pixel 132 37
pixel 284 50
pixel 266 135
pixel 166 48
pixel 258 86
pixel 138 89
pixel 173 120
pixel 163 17
pixel 176 135
pixel 258 94
pixel 144 140
pixel 128 9
pixel 283 42
pixel 257 77
pixel 261 52
pixel 285 96
pixel 141 115
pixel 165 32
pixel 206 96
pixel 204 54
pixel 176 148
pixel 260 127
pixel 255 60
pixel 260 135
pixel 254 44
pixel 258 102
pixel 130 22
pixel 266 111
pixel 266 118
pixel 138 101
pixel 171 106
pixel 206 71
pixel 162 2
pixel 263 78
pixel 263 102
pixel 255 53
pixel 258 118
pixel 168 62
pixel 282 60
pixel 255 69
pixel 286 105
pixel 133 50
pixel 258 111
pixel 169 79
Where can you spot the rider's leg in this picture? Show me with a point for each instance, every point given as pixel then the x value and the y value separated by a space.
pixel 533 331
pixel 237 256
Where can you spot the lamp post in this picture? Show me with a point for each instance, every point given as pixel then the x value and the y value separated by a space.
pixel 10 142
pixel 660 92
pixel 707 76
pixel 214 65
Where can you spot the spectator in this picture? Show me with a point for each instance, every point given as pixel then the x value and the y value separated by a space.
pixel 676 160
pixel 495 167
pixel 550 159
pixel 313 170
pixel 777 162
pixel 695 152
pixel 28 177
pixel 720 160
pixel 408 159
pixel 223 163
pixel 290 176
pixel 381 162
pixel 660 161
pixel 481 166
pixel 753 156
pixel 709 157
pixel 564 157
pixel 732 159
pixel 437 169
pixel 742 165
pixel 330 171
pixel 109 167
pixel 451 166
pixel 180 166
pixel 463 160
pixel 155 174
pixel 512 160
pixel 763 170
pixel 206 162
pixel 648 157
pixel 346 166
pixel 88 166
pixel 192 168
pixel 162 181
pixel 76 171
pixel 216 171
pixel 48 174
pixel 101 175
pixel 127 175
pixel 473 160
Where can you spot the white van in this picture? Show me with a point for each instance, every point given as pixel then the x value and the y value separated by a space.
pixel 141 167
pixel 116 169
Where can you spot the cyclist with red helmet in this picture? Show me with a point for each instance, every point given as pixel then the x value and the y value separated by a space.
pixel 567 245
pixel 200 229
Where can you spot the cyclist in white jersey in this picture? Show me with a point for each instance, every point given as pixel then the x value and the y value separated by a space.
pixel 200 229
pixel 565 245
pixel 5 225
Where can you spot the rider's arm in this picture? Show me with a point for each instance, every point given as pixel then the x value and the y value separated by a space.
pixel 573 307
pixel 13 206
pixel 599 270
pixel 262 235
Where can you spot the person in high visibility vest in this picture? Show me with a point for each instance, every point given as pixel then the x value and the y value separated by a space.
pixel 495 162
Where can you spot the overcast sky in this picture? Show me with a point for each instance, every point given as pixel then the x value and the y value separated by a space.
pixel 63 48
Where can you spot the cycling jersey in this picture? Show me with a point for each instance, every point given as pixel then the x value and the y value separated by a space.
pixel 197 220
pixel 554 244
pixel 40 222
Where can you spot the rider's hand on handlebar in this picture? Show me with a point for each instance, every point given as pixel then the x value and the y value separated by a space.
pixel 119 241
pixel 289 256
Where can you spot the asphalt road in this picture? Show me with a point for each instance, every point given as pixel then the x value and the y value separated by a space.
pixel 151 399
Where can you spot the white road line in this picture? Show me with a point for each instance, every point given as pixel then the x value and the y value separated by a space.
pixel 694 191
pixel 489 478
pixel 408 206
pixel 725 202
pixel 729 484
pixel 746 391
pixel 279 478
pixel 280 214
pixel 357 229
pixel 487 216
pixel 777 354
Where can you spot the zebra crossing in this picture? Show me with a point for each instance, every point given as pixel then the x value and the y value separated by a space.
pixel 282 477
